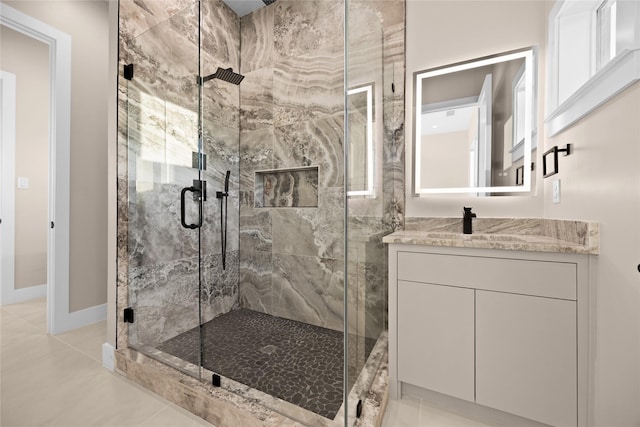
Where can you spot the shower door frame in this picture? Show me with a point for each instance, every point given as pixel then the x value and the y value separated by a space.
pixel 168 171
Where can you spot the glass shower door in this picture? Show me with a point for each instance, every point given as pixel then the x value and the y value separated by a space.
pixel 164 191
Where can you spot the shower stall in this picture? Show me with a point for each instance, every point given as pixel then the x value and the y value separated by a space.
pixel 260 164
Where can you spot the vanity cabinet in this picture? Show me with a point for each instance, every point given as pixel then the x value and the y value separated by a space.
pixel 436 329
pixel 526 356
pixel 502 329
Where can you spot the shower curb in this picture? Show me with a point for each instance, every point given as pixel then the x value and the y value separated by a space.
pixel 223 408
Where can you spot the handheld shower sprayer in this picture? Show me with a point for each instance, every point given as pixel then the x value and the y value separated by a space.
pixel 223 218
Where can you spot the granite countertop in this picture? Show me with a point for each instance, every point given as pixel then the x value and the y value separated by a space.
pixel 555 236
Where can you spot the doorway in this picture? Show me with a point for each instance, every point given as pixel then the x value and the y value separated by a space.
pixel 25 158
pixel 57 246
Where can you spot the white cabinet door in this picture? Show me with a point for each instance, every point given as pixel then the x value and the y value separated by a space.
pixel 436 338
pixel 526 356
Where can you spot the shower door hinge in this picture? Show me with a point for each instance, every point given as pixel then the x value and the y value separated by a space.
pixel 215 380
pixel 359 408
pixel 199 161
pixel 128 315
pixel 201 190
pixel 128 71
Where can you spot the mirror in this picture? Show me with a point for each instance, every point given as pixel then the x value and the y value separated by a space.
pixel 361 159
pixel 474 126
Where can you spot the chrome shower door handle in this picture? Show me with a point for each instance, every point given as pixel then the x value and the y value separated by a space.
pixel 182 207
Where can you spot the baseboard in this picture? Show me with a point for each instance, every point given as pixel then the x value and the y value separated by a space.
pixel 80 318
pixel 14 296
pixel 108 356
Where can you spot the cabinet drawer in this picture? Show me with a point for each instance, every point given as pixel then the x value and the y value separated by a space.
pixel 539 278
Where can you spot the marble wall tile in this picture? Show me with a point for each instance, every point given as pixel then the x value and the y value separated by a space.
pixel 165 59
pixel 291 116
pixel 142 15
pixel 158 131
pixel 257 39
pixel 154 233
pixel 221 146
pixel 211 235
pixel 256 125
pixel 309 289
pixel 312 143
pixel 219 289
pixel 256 270
pixel 256 154
pixel 255 228
pixel 220 100
pixel 308 88
pixel 310 231
pixel 394 129
pixel 367 275
pixel 165 300
pixel 256 110
pixel 308 60
pixel 220 37
pixel 310 28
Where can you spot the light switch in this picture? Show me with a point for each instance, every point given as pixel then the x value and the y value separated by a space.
pixel 23 183
pixel 556 191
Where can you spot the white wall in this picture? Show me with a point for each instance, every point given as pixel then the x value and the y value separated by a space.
pixel 600 181
pixel 28 59
pixel 445 32
pixel 87 22
pixel 445 160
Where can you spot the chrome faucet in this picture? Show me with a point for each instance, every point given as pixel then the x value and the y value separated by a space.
pixel 466 220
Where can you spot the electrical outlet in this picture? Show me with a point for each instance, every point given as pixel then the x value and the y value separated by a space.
pixel 23 183
pixel 556 191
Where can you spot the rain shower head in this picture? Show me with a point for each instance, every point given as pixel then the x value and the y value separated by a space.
pixel 226 75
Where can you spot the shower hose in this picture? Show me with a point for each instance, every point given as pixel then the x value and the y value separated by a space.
pixel 223 218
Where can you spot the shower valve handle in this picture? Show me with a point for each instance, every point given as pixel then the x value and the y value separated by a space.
pixel 182 208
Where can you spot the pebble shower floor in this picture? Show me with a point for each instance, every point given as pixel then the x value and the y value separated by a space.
pixel 296 362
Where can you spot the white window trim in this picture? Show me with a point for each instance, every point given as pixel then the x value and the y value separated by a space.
pixel 620 73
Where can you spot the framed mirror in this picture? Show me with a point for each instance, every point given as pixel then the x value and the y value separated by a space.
pixel 474 126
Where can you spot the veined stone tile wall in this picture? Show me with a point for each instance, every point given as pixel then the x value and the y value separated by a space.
pixel 287 113
pixel 292 106
pixel 158 131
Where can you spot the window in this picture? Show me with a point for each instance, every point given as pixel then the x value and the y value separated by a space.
pixel 594 53
pixel 606 32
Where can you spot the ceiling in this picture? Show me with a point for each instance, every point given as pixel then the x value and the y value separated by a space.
pixel 244 7
pixel 456 119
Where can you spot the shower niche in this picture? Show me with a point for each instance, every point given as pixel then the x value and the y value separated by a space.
pixel 287 188
pixel 268 303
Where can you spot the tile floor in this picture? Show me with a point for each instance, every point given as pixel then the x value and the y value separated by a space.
pixel 413 412
pixel 59 381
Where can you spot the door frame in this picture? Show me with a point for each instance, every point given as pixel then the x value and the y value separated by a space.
pixel 58 319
